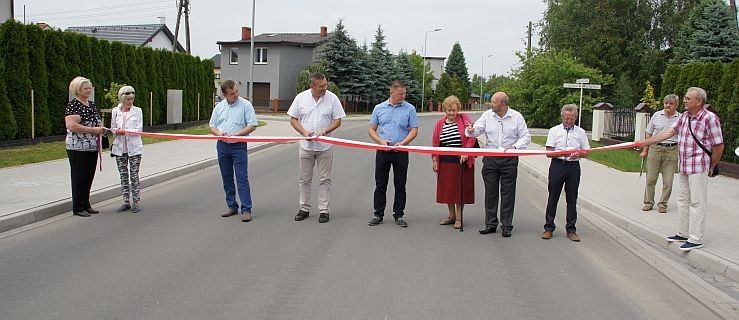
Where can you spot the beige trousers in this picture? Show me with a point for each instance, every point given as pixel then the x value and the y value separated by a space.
pixel 308 161
pixel 692 205
pixel 660 160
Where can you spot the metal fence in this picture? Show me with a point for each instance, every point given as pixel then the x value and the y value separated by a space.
pixel 619 124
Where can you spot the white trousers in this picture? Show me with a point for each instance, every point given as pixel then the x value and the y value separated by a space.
pixel 309 160
pixel 692 203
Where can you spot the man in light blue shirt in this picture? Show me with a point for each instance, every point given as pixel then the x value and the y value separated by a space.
pixel 393 123
pixel 234 116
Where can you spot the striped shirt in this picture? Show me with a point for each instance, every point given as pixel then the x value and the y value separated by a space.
pixel 706 127
pixel 450 136
pixel 660 121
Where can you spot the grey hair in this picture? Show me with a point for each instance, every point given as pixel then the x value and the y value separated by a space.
pixel 76 85
pixel 672 97
pixel 124 91
pixel 702 96
pixel 569 108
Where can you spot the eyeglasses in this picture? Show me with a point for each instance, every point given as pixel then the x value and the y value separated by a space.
pixel 130 92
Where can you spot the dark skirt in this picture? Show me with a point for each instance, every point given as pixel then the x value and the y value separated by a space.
pixel 451 180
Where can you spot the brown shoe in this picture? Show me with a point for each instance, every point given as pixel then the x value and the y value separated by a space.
pixel 662 209
pixel 246 217
pixel 646 207
pixel 229 213
pixel 573 236
pixel 546 235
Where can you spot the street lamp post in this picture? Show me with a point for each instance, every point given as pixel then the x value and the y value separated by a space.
pixel 423 74
pixel 482 75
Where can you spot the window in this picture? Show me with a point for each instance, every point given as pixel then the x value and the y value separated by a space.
pixel 260 56
pixel 234 56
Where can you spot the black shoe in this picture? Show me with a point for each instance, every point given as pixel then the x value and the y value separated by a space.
pixel 375 221
pixel 124 207
pixel 487 230
pixel 91 210
pixel 506 233
pixel 81 214
pixel 677 238
pixel 323 218
pixel 301 215
pixel 401 222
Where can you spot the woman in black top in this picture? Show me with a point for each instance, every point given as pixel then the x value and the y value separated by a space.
pixel 84 130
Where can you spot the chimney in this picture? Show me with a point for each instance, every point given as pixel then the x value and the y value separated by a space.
pixel 162 20
pixel 245 33
pixel 324 31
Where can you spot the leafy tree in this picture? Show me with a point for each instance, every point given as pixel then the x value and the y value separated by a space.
pixel 456 66
pixel 72 56
pixel 14 48
pixel 537 91
pixel 408 76
pixel 56 67
pixel 418 69
pixel 8 128
pixel 609 35
pixel 710 34
pixel 111 95
pixel 303 81
pixel 648 96
pixel 451 85
pixel 39 79
pixel 669 16
pixel 103 67
pixel 119 62
pixel 670 78
pixel 383 70
pixel 346 63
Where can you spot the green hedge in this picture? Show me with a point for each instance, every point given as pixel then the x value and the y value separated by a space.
pixel 721 82
pixel 45 61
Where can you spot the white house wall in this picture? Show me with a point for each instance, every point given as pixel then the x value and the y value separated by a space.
pixel 160 41
pixel 5 10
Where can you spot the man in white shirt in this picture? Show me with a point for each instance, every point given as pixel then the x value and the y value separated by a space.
pixel 315 112
pixel 661 157
pixel 504 128
pixel 564 171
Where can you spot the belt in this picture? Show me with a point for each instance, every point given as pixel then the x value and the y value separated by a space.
pixel 566 162
pixel 667 144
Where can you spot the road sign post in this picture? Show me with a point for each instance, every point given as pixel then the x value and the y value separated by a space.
pixel 581 84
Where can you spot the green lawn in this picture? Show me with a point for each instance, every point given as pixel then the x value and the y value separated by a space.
pixel 16 156
pixel 627 160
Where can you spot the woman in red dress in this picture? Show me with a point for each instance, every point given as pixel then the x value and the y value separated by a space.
pixel 455 181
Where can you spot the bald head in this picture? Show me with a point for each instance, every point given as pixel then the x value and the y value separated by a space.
pixel 500 103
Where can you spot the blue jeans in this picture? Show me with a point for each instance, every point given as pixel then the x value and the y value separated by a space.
pixel 233 157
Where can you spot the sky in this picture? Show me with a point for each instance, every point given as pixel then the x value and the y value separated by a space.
pixel 482 27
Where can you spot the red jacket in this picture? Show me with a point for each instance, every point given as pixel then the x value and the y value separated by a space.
pixel 463 121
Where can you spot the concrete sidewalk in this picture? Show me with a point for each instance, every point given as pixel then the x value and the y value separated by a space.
pixel 35 192
pixel 617 197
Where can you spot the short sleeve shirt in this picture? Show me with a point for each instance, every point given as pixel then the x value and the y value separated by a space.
pixel 561 138
pixel 89 117
pixel 660 121
pixel 707 128
pixel 316 115
pixel 394 122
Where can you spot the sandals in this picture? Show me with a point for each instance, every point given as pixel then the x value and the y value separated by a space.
pixel 458 224
pixel 446 221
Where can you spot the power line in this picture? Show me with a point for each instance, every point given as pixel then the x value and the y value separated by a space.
pixel 98 15
pixel 96 9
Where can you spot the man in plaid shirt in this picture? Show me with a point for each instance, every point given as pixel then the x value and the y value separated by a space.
pixel 694 164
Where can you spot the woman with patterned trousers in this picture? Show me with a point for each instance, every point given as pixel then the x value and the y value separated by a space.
pixel 127 148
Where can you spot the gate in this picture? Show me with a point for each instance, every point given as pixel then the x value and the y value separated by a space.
pixel 619 123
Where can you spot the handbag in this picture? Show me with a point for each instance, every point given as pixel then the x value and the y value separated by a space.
pixel 715 169
pixel 104 142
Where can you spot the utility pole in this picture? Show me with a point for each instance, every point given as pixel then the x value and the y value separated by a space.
pixel 183 6
pixel 528 48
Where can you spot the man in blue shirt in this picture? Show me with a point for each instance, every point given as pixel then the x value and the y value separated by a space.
pixel 393 123
pixel 234 116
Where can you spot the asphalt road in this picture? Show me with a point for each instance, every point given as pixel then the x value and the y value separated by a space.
pixel 181 260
